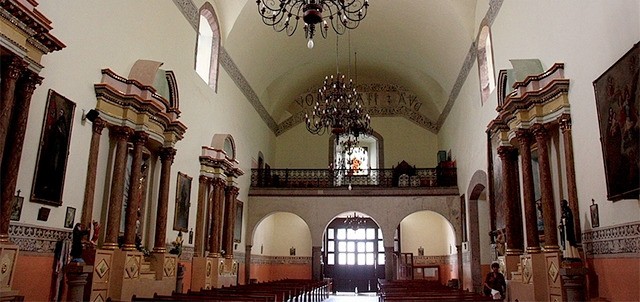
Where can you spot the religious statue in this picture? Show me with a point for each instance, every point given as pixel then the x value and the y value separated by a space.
pixel 76 242
pixel 567 233
pixel 177 245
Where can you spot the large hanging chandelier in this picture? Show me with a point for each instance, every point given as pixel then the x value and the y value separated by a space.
pixel 283 15
pixel 339 110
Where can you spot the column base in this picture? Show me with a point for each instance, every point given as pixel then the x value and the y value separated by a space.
pixel 8 259
pixel 213 272
pixel 77 273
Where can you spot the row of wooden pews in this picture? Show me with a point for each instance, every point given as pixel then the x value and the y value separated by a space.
pixel 422 290
pixel 286 290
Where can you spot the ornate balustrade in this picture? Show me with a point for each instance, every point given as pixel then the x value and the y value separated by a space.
pixel 332 178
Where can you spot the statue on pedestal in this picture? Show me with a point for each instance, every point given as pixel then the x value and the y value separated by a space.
pixel 567 233
pixel 76 242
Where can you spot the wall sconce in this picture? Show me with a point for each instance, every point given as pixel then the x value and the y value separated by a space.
pixel 91 115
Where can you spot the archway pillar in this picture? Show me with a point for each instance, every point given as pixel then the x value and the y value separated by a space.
pixel 316 264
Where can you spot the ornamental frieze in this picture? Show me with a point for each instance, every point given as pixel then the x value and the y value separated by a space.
pixel 614 240
pixel 30 238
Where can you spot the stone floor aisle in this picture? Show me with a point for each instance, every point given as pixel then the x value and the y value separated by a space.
pixel 351 297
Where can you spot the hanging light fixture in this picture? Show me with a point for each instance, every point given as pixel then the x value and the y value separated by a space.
pixel 355 222
pixel 339 109
pixel 283 15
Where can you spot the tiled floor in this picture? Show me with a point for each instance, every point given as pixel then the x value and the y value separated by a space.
pixel 351 297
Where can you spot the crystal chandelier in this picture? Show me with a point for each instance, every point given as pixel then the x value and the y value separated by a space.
pixel 283 15
pixel 340 111
pixel 354 222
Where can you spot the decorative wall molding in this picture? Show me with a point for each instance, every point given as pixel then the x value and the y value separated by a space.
pixel 37 239
pixel 435 260
pixel 619 241
pixel 260 259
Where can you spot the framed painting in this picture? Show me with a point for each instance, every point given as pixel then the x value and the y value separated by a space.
pixel 617 94
pixel 237 229
pixel 70 217
pixel 16 209
pixel 595 216
pixel 183 202
pixel 53 151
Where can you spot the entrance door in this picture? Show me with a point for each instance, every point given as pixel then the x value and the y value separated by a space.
pixel 354 255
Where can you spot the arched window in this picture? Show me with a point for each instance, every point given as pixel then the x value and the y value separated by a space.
pixel 485 63
pixel 208 46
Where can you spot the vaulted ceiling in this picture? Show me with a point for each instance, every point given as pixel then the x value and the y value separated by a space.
pixel 420 45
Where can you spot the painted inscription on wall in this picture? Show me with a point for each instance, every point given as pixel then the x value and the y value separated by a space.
pixel 377 99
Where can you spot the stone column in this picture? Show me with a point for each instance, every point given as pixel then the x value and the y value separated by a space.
pixel 460 260
pixel 215 237
pixel 389 266
pixel 316 262
pixel 135 189
pixel 565 126
pixel 247 263
pixel 14 67
pixel 546 190
pixel 167 155
pixel 229 220
pixel 121 135
pixel 513 226
pixel 203 186
pixel 92 166
pixel 528 192
pixel 13 148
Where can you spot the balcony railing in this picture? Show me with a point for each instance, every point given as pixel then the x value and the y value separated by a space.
pixel 331 178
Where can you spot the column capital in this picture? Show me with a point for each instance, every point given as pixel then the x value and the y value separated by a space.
pixel 507 152
pixel 565 122
pixel 523 136
pixel 98 125
pixel 203 179
pixel 233 190
pixel 218 182
pixel 31 80
pixel 120 132
pixel 140 138
pixel 15 67
pixel 167 154
pixel 539 131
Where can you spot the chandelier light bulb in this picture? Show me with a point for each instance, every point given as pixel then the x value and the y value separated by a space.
pixel 310 44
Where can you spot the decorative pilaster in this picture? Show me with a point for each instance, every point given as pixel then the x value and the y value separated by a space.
pixel 247 263
pixel 565 127
pixel 546 190
pixel 13 148
pixel 513 224
pixel 135 188
pixel 203 185
pixel 14 66
pixel 121 135
pixel 389 267
pixel 316 262
pixel 215 237
pixel 77 274
pixel 92 166
pixel 167 155
pixel 229 220
pixel 529 199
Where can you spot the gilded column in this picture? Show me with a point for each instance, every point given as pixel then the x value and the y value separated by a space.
pixel 247 263
pixel 565 126
pixel 121 135
pixel 203 186
pixel 528 192
pixel 92 166
pixel 511 211
pixel 215 236
pixel 546 190
pixel 229 220
pixel 13 148
pixel 135 188
pixel 14 66
pixel 166 157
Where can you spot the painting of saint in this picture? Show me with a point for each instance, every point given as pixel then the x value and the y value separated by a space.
pixel 183 202
pixel 53 153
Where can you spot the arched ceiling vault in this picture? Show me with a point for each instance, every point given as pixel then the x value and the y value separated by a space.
pixel 420 45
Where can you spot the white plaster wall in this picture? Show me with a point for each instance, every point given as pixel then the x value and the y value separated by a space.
pixel 403 140
pixel 588 36
pixel 280 231
pixel 107 34
pixel 428 230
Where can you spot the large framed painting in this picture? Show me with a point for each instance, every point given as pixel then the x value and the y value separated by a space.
pixel 183 202
pixel 53 151
pixel 237 229
pixel 617 93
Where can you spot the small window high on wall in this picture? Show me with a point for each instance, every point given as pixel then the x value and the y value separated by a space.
pixel 208 46
pixel 485 64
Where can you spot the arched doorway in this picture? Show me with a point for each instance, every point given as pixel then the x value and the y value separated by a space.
pixel 479 225
pixel 353 253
